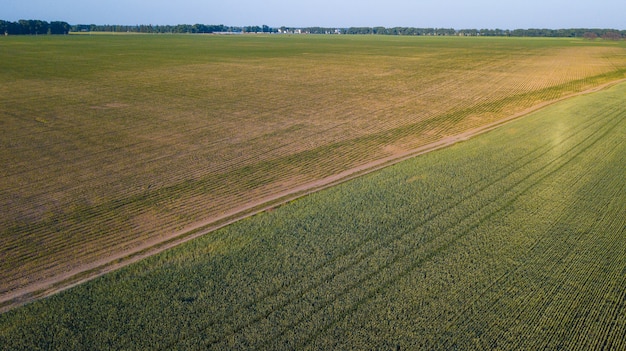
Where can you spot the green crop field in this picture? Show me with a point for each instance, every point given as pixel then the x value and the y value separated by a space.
pixel 512 240
pixel 111 144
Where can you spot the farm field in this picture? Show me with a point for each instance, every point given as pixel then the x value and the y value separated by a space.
pixel 512 240
pixel 111 144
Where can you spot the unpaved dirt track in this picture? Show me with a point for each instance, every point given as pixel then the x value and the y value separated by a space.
pixel 83 273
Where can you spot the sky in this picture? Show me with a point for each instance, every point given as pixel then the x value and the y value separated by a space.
pixel 458 14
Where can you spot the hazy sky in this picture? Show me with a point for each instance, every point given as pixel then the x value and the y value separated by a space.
pixel 457 14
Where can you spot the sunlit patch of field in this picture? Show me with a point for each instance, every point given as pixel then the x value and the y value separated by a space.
pixel 112 141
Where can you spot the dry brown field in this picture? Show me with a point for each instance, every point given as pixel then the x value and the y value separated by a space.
pixel 111 144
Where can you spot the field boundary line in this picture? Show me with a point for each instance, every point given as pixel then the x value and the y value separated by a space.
pixel 84 273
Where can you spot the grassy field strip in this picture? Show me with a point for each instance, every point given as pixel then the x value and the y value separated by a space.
pixel 559 204
pixel 600 265
pixel 179 169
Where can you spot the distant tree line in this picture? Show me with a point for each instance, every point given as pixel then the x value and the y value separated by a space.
pixel 33 27
pixel 554 33
pixel 159 29
pixel 202 28
pixel 36 27
pixel 178 29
